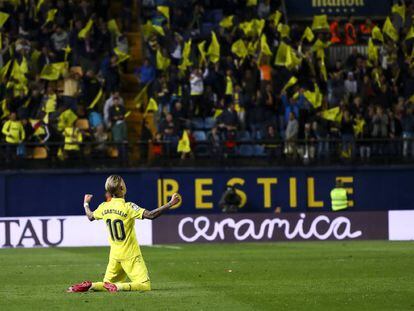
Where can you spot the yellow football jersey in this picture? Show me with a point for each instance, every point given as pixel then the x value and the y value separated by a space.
pixel 119 217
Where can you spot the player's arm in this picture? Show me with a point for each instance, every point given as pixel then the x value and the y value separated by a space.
pixel 175 199
pixel 86 200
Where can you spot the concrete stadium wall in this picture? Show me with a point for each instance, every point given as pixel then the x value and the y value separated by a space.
pixel 263 190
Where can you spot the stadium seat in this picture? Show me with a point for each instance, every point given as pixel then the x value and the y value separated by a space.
pixel 113 152
pixel 200 136
pixel 259 150
pixel 197 123
pixel 245 150
pixel 244 136
pixel 39 153
pixel 209 123
pixel 82 124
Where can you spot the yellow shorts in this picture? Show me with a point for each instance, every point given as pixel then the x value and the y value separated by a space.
pixel 117 271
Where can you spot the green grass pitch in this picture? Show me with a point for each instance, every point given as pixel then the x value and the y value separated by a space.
pixel 253 276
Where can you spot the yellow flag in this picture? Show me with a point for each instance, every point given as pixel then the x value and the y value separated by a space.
pixel 67 50
pixel 122 56
pixel 4 109
pixel 372 52
pixel 164 10
pixel 292 81
pixel 251 2
pixel 227 22
pixel 390 30
pixel 333 114
pixel 4 70
pixel 410 33
pixel 252 47
pixel 275 18
pixel 3 18
pixel 152 106
pixel 217 113
pixel 377 34
pixel 411 99
pixel 284 30
pixel 253 27
pixel 39 5
pixel 158 29
pixel 127 114
pixel 315 97
pixel 359 126
pixel 320 22
pixel 400 10
pixel 50 16
pixel 162 62
pixel 319 48
pixel 214 49
pixel 96 99
pixel 184 143
pixel 258 25
pixel 113 27
pixel 186 56
pixel 264 47
pixel 19 71
pixel 308 34
pixel 239 48
pixel 286 57
pixel 52 72
pixel 85 30
pixel 202 50
pixel 148 29
pixel 283 56
pixel 141 96
pixel 66 119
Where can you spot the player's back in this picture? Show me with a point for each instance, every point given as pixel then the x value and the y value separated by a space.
pixel 119 217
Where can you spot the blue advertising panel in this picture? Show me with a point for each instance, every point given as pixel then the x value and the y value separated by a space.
pixel 261 190
pixel 308 8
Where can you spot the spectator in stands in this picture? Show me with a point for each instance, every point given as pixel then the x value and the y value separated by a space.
pixel 196 91
pixel 273 143
pixel 14 134
pixel 110 102
pixel 291 134
pixel 347 133
pixel 145 73
pixel 215 140
pixel 101 138
pixel 350 84
pixel 118 127
pixel 350 32
pixel 407 123
pixel 73 139
pixel 228 119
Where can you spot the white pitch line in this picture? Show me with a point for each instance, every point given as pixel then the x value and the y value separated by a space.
pixel 165 246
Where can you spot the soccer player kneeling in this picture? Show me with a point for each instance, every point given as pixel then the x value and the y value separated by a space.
pixel 125 259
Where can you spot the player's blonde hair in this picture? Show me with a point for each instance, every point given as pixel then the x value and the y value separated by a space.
pixel 115 185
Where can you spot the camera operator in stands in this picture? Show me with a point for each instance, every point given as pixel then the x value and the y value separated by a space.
pixel 230 201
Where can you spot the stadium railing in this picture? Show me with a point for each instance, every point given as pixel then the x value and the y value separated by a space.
pixel 228 153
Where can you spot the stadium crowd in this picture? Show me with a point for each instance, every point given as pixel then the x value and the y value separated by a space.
pixel 232 78
pixel 235 71
pixel 60 65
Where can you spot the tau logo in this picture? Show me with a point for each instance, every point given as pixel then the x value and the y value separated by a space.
pixel 30 232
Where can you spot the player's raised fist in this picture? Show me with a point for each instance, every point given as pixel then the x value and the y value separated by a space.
pixel 175 199
pixel 87 198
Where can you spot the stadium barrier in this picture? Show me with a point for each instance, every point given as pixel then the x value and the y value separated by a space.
pixel 27 232
pixel 262 190
pixel 233 152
